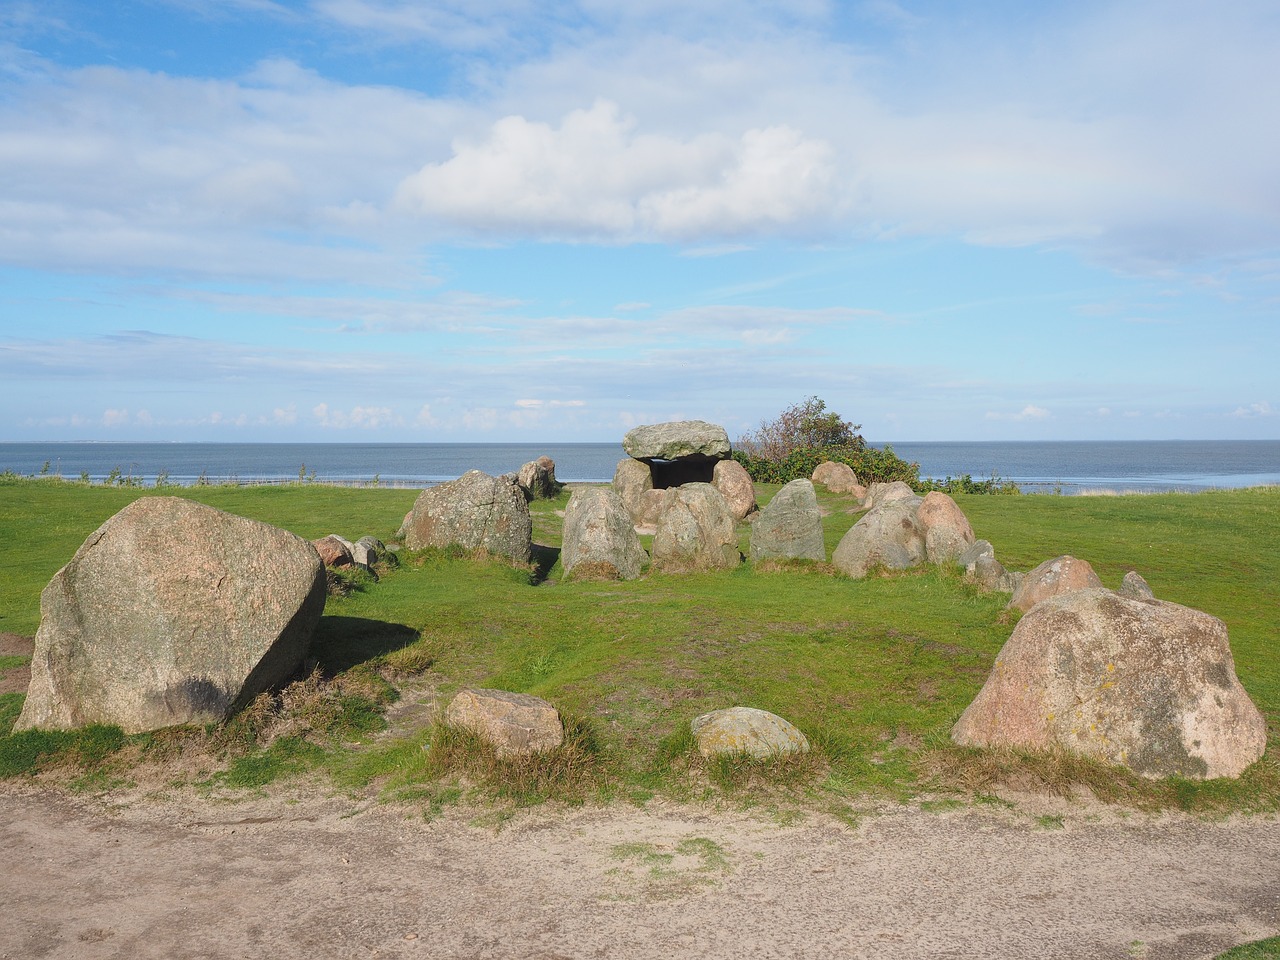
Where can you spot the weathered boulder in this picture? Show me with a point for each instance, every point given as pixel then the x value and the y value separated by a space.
pixel 600 542
pixel 476 511
pixel 838 478
pixel 879 494
pixel 1135 587
pixel 1143 683
pixel 947 533
pixel 975 551
pixel 335 551
pixel 789 526
pixel 696 531
pixel 515 723
pixel 734 483
pixel 681 440
pixel 886 536
pixel 652 503
pixel 1053 578
pixel 170 613
pixel 538 479
pixel 738 730
pixel 633 479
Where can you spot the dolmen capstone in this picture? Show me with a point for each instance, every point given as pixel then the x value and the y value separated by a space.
pixel 171 613
pixel 662 456
pixel 790 526
pixel 514 723
pixel 903 530
pixel 599 540
pixel 696 531
pixel 1143 683
pixel 746 730
pixel 475 512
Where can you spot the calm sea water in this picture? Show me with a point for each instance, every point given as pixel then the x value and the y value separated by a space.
pixel 1037 466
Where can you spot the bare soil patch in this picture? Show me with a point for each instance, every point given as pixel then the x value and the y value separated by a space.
pixel 15 679
pixel 299 875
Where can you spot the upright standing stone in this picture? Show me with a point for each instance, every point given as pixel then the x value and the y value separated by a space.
pixel 886 535
pixel 789 526
pixel 734 483
pixel 696 531
pixel 947 533
pixel 171 613
pixel 600 541
pixel 633 479
pixel 476 511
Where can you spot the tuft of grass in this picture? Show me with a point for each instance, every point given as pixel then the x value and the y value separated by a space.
pixel 567 773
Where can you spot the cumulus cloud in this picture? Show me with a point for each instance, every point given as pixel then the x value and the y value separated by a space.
pixel 357 418
pixel 1029 412
pixel 595 175
pixel 1253 411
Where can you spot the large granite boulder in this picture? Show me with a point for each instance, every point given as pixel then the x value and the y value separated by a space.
pixel 600 541
pixel 732 480
pixel 1053 578
pixel 696 531
pixel 476 512
pixel 633 479
pixel 838 478
pixel 885 536
pixel 882 493
pixel 170 613
pixel 746 730
pixel 1146 684
pixel 789 526
pixel 947 533
pixel 538 479
pixel 515 723
pixel 682 440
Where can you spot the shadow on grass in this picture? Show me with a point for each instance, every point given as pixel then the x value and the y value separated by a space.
pixel 341 643
pixel 544 558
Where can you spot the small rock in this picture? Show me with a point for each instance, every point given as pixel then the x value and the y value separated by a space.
pixel 738 730
pixel 335 551
pixel 1135 587
pixel 515 723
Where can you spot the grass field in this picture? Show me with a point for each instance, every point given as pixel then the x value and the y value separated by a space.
pixel 874 671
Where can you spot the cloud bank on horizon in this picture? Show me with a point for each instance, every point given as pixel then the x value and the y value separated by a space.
pixel 395 220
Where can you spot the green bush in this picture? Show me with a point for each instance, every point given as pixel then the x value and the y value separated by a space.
pixel 870 464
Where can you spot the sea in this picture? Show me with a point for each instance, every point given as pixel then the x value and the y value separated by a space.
pixel 1067 467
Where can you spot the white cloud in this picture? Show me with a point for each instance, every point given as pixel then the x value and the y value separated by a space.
pixel 358 417
pixel 595 176
pixel 1029 412
pixel 115 418
pixel 1254 410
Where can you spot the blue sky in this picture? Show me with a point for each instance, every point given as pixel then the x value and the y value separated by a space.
pixel 360 220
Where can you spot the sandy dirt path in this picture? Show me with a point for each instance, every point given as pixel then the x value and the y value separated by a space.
pixel 300 877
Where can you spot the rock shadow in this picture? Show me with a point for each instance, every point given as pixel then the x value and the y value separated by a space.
pixel 341 643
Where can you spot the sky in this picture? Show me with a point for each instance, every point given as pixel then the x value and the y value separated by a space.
pixel 459 220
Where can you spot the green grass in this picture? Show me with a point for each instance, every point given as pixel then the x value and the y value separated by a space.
pixel 874 672
pixel 1258 950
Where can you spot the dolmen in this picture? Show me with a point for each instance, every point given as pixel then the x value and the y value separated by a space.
pixel 664 456
pixel 171 613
